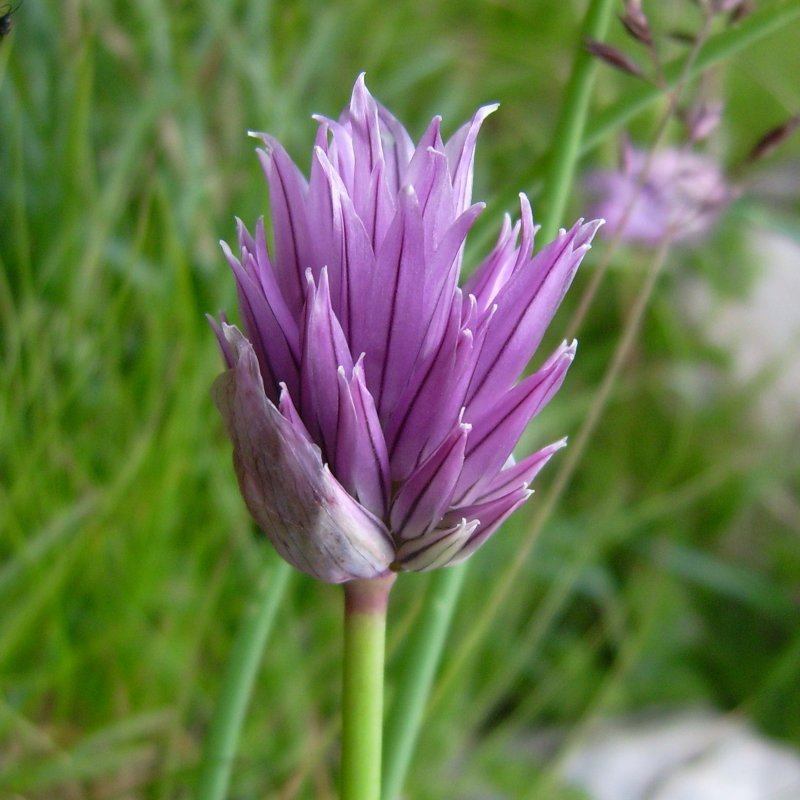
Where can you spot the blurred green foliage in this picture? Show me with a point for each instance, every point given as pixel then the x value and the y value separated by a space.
pixel 669 574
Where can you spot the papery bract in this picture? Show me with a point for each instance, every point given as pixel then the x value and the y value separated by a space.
pixel 373 405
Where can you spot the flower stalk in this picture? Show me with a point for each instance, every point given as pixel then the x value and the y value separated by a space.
pixel 365 606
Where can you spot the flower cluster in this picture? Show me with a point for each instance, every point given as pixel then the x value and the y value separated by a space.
pixel 373 405
pixel 675 193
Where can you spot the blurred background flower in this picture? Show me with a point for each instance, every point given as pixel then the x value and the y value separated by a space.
pixel 674 192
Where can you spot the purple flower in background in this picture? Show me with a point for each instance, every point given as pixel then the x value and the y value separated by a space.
pixel 373 404
pixel 682 194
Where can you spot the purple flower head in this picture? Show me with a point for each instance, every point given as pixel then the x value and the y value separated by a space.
pixel 682 195
pixel 373 405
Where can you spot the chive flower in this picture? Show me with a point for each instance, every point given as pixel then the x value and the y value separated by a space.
pixel 675 192
pixel 372 403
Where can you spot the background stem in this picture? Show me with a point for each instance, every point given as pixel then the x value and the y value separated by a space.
pixel 423 653
pixel 571 122
pixel 237 685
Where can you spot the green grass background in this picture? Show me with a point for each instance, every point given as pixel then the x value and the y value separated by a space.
pixel 668 576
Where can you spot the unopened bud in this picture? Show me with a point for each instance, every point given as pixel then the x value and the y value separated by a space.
pixel 682 37
pixel 701 120
pixel 636 23
pixel 773 138
pixel 726 6
pixel 742 10
pixel 616 58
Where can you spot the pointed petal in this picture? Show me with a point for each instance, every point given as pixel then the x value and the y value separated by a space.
pixel 430 140
pixel 287 191
pixel 309 518
pixel 428 174
pixel 273 331
pixel 436 549
pixel 336 141
pixel 444 268
pixel 425 495
pixel 344 246
pixel 381 207
pixel 225 348
pixel 265 276
pixel 525 250
pixel 491 516
pixel 324 187
pixel 497 429
pixel 526 304
pixel 435 392
pixel 395 329
pixel 451 243
pixel 514 476
pixel 366 133
pixel 460 150
pixel 246 241
pixel 251 307
pixel 287 408
pixel 397 148
pixel 494 271
pixel 325 349
pixel 362 462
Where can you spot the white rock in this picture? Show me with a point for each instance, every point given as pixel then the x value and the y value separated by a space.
pixel 761 331
pixel 691 756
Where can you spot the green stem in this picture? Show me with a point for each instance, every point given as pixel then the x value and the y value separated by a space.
pixel 362 688
pixel 719 47
pixel 424 651
pixel 571 122
pixel 237 684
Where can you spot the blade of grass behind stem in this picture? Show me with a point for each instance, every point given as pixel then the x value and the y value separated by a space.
pixel 565 154
pixel 237 684
pixel 423 653
pixel 173 766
